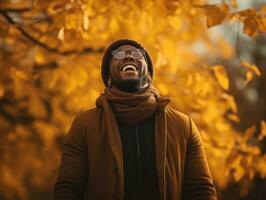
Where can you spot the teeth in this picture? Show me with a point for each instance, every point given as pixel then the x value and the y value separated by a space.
pixel 129 67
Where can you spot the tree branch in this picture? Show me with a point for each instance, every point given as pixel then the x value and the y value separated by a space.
pixel 19 10
pixel 44 45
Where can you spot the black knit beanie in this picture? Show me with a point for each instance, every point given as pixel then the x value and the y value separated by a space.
pixel 108 56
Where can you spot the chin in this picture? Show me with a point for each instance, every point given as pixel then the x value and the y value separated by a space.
pixel 129 85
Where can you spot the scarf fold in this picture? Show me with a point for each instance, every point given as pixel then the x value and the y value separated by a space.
pixel 131 108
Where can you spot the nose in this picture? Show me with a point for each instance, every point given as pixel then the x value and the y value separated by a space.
pixel 129 57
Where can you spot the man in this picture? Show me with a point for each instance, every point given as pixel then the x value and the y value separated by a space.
pixel 132 146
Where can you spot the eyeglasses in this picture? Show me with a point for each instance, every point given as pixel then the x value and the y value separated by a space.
pixel 134 52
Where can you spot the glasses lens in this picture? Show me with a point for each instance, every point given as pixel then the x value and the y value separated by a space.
pixel 136 53
pixel 119 54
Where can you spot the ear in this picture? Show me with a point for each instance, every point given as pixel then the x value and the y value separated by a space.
pixel 149 78
pixel 109 82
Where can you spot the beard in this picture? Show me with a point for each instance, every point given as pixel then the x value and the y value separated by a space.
pixel 132 85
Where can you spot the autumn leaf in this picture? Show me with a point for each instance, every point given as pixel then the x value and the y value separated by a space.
pixel 254 21
pixel 86 21
pixel 232 104
pixel 251 69
pixel 221 75
pixel 250 21
pixel 249 133
pixel 61 34
pixel 50 71
pixel 262 134
pixel 234 118
pixel 215 13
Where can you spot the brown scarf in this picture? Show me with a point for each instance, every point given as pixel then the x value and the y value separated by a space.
pixel 131 108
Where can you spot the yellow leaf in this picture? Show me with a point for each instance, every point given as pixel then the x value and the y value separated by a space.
pixel 255 69
pixel 249 133
pixel 39 56
pixel 232 103
pixel 221 75
pixel 230 100
pixel 251 69
pixel 234 118
pixel 86 21
pixel 263 130
pixel 61 34
pixel 249 77
pixel 261 166
pixel 238 173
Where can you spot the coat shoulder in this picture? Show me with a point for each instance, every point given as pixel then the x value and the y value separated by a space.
pixel 176 116
pixel 85 117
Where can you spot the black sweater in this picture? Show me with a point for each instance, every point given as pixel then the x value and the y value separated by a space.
pixel 138 144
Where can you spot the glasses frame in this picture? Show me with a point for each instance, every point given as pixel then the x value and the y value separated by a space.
pixel 126 52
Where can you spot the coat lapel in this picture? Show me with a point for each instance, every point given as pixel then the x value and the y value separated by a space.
pixel 161 144
pixel 114 140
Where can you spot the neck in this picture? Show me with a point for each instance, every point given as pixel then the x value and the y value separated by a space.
pixel 129 88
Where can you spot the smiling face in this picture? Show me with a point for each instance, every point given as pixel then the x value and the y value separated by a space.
pixel 128 68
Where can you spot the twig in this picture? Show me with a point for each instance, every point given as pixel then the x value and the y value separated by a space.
pixel 44 45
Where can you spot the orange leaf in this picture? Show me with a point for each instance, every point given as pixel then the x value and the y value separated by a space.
pixel 251 69
pixel 249 133
pixel 263 130
pixel 234 118
pixel 215 13
pixel 221 75
pixel 254 21
pixel 250 26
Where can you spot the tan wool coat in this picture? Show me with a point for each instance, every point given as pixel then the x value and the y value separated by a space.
pixel 92 159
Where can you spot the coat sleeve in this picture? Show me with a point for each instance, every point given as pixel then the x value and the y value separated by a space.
pixel 73 171
pixel 198 183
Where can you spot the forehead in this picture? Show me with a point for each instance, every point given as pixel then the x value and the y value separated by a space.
pixel 126 47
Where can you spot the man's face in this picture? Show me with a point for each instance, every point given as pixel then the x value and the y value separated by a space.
pixel 128 63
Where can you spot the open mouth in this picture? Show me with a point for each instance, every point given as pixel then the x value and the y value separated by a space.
pixel 129 67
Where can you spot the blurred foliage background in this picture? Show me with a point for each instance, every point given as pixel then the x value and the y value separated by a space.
pixel 210 58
